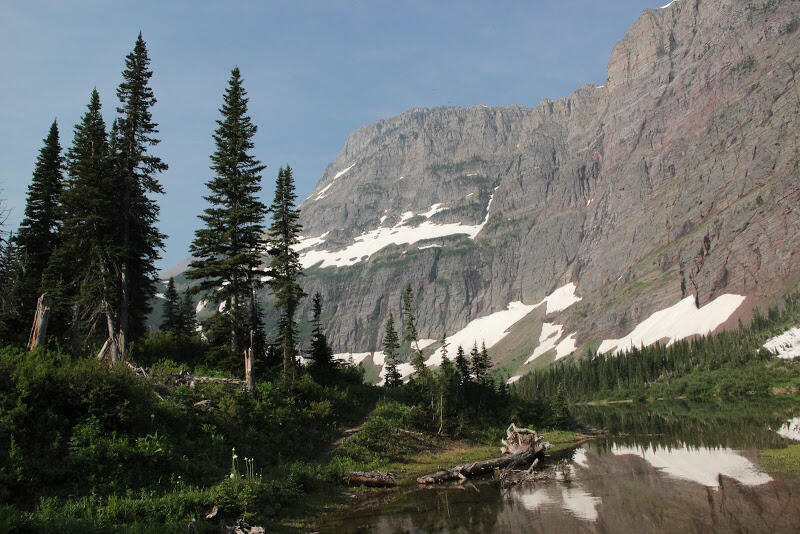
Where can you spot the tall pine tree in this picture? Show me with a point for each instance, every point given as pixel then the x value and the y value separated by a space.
pixel 172 309
pixel 321 352
pixel 140 240
pixel 462 366
pixel 82 272
pixel 228 249
pixel 38 233
pixel 285 267
pixel 391 347
pixel 11 275
pixel 187 318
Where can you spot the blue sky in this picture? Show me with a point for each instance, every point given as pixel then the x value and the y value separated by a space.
pixel 314 71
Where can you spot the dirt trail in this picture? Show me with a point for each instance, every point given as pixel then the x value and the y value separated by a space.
pixel 326 453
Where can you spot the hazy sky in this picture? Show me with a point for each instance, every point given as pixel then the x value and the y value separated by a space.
pixel 314 71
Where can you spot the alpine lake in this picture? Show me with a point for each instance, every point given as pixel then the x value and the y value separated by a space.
pixel 659 467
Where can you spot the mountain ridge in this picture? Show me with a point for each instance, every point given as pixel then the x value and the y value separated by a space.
pixel 678 177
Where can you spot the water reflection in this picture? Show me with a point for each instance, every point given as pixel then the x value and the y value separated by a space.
pixel 657 474
pixel 790 429
pixel 698 464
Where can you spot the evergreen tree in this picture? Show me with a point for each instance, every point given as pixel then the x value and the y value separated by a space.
pixel 172 309
pixel 137 169
pixel 321 352
pixel 12 327
pixel 462 366
pixel 418 363
pixel 410 335
pixel 81 274
pixel 38 233
pixel 187 317
pixel 228 249
pixel 560 407
pixel 475 365
pixel 391 346
pixel 481 363
pixel 443 347
pixel 285 267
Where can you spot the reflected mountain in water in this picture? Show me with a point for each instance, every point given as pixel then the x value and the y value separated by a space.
pixel 667 469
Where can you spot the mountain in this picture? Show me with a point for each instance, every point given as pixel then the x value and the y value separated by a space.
pixel 657 206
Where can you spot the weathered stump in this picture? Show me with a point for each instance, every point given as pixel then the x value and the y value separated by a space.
pixel 525 447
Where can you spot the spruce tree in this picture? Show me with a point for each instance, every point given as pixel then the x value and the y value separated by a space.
pixel 187 318
pixel 137 169
pixel 172 309
pixel 12 327
pixel 391 346
pixel 228 249
pixel 81 274
pixel 285 267
pixel 462 366
pixel 321 353
pixel 38 233
pixel 560 407
pixel 481 363
pixel 443 348
pixel 410 335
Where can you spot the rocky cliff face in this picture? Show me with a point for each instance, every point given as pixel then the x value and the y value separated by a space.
pixel 680 177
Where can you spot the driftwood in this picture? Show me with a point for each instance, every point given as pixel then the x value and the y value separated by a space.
pixel 522 447
pixel 373 479
pixel 190 380
pixel 39 329
pixel 241 527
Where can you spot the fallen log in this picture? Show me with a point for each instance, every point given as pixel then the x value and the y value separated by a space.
pixel 190 380
pixel 374 479
pixel 526 448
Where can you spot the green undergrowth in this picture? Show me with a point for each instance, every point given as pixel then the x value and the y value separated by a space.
pixel 83 447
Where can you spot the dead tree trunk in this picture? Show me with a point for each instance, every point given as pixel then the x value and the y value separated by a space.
pixel 248 366
pixel 39 329
pixel 110 350
pixel 373 479
pixel 521 446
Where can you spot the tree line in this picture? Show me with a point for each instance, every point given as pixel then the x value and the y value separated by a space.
pixel 641 367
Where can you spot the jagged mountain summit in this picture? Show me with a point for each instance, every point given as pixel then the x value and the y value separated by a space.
pixel 659 205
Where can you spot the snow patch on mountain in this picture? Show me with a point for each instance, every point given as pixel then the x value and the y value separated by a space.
pixel 321 194
pixel 560 299
pixel 308 242
pixel 371 242
pixel 423 344
pixel 786 345
pixel 677 322
pixel 436 208
pixel 548 339
pixel 567 346
pixel 354 358
pixel 488 329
